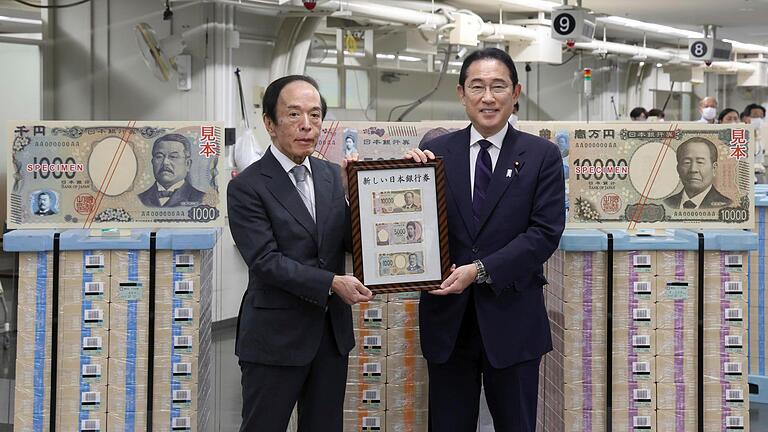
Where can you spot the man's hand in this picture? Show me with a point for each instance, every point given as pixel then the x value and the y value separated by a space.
pixel 344 177
pixel 351 290
pixel 459 279
pixel 419 156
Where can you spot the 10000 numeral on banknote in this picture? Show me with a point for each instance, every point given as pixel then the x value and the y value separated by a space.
pixel 687 175
pixel 110 174
pixel 398 201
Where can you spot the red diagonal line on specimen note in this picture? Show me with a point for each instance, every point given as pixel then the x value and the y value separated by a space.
pixel 321 144
pixel 329 138
pixel 651 179
pixel 127 132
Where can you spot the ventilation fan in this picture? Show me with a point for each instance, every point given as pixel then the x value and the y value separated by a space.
pixel 318 50
pixel 159 56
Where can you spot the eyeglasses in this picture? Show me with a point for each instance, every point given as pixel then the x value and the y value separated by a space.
pixel 497 89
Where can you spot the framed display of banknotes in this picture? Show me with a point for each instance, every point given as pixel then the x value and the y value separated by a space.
pixel 399 224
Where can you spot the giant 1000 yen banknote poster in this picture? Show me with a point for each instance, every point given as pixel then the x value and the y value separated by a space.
pixel 657 176
pixel 114 174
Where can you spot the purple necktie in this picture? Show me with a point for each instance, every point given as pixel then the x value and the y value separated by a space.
pixel 483 172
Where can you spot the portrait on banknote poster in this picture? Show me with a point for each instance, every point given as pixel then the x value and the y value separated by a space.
pixel 399 224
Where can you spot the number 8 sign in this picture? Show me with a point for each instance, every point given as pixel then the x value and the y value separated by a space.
pixel 699 49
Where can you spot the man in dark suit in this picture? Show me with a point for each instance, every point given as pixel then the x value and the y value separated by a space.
pixel 291 224
pixel 171 160
pixel 696 166
pixel 506 213
pixel 44 207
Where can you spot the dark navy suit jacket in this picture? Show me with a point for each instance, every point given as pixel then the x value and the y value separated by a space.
pixel 291 260
pixel 520 227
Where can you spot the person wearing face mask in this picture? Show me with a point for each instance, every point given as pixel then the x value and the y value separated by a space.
pixel 708 110
pixel 757 118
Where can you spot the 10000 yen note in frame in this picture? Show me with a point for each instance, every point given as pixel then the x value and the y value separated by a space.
pixel 114 174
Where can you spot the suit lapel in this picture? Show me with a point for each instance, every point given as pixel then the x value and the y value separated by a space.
pixel 322 178
pixel 508 156
pixel 177 195
pixel 457 163
pixel 285 193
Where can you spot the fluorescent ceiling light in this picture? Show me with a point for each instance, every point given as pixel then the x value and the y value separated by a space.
pixel 541 5
pixel 648 27
pixel 402 57
pixel 21 20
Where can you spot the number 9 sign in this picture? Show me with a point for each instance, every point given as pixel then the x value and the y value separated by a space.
pixel 564 24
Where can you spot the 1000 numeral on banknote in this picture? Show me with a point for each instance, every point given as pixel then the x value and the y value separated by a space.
pixel 109 174
pixel 690 175
pixel 401 263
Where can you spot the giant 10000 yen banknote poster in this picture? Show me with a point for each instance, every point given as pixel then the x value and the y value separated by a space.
pixel 115 174
pixel 657 176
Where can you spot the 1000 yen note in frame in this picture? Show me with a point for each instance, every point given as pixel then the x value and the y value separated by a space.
pixel 114 174
pixel 397 201
pixel 683 176
pixel 397 233
pixel 401 263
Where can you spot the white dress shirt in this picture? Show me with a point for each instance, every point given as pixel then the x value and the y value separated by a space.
pixel 288 165
pixel 172 189
pixel 494 150
pixel 696 200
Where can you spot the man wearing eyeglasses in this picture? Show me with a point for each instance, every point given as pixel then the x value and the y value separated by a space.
pixel 506 212
pixel 171 161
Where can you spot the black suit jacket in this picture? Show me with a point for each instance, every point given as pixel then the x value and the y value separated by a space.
pixel 520 227
pixel 713 199
pixel 185 194
pixel 291 259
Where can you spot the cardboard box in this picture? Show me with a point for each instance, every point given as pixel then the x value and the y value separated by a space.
pixel 640 315
pixel 367 369
pixel 642 420
pixel 75 370
pixel 93 421
pixel 34 422
pixel 73 264
pixel 186 315
pixel 125 399
pixel 575 370
pixel 584 343
pixel 183 286
pixel 77 289
pixel 125 289
pixel 643 341
pixel 577 316
pixel 407 420
pixel 403 314
pixel 179 261
pixel 185 341
pixel 31 345
pixel 91 314
pixel 677 315
pixel 71 399
pixel 630 263
pixel 369 316
pixel 403 341
pixel 25 415
pixel 676 343
pixel 677 420
pixel 120 370
pixel 182 369
pixel 725 262
pixel 726 395
pixel 642 288
pixel 173 421
pixel 91 342
pixel 641 368
pixel 370 342
pixel 731 340
pixel 365 396
pixel 31 320
pixel 128 315
pixel 130 264
pixel 677 263
pixel 677 288
pixel 673 395
pixel 639 395
pixel 581 396
pixel 725 368
pixel 676 369
pixel 393 297
pixel 406 369
pixel 128 421
pixel 175 395
pixel 32 291
pixel 121 341
pixel 726 421
pixel 726 287
pixel 575 264
pixel 364 421
pixel 408 396
pixel 725 313
pixel 583 421
pixel 31 263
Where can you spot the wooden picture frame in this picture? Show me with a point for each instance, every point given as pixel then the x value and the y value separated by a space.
pixel 399 224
